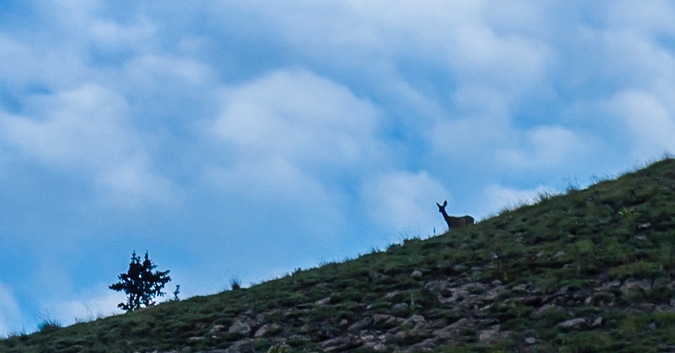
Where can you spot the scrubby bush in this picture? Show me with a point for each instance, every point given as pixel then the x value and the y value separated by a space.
pixel 141 284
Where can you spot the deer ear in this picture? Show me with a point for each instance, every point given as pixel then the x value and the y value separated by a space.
pixel 445 203
pixel 439 205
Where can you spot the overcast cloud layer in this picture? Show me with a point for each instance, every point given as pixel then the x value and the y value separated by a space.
pixel 239 139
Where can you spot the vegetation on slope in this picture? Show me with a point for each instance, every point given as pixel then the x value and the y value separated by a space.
pixel 589 271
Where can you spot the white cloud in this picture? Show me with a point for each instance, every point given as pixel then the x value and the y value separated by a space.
pixel 130 183
pixel 643 58
pixel 151 73
pixel 109 34
pixel 498 197
pixel 545 148
pixel 10 314
pixel 469 40
pixel 651 16
pixel 301 126
pixel 300 117
pixel 266 180
pixel 14 57
pixel 75 11
pixel 538 148
pixel 510 62
pixel 87 306
pixel 467 139
pixel 650 126
pixel 87 132
pixel 80 128
pixel 293 139
pixel 26 65
pixel 403 201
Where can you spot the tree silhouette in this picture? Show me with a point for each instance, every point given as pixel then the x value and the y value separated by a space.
pixel 140 284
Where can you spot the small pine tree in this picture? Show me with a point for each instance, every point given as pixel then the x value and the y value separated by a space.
pixel 140 284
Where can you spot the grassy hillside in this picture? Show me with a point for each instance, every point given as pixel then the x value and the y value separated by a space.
pixel 589 271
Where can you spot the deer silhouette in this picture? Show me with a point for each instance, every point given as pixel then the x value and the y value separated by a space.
pixel 453 222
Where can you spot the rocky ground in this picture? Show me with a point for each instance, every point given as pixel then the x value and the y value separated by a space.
pixel 481 311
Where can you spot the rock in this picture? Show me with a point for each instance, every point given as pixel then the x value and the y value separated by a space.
pixel 489 336
pixel 380 318
pixel 436 286
pixel 487 322
pixel 322 334
pixel 574 323
pixel 642 284
pixel 265 329
pixel 417 274
pixel 426 345
pixel 379 347
pixel 382 321
pixel 391 295
pixel 195 339
pixel 242 346
pixel 322 302
pixel 452 332
pixel 530 340
pixel 436 324
pixel 644 226
pixel 415 319
pixel 544 310
pixel 640 309
pixel 341 343
pixel 443 264
pixel 400 309
pixel 493 293
pixel 420 327
pixel 362 324
pixel 444 300
pixel 240 326
pixel 217 328
pixel 664 309
pixel 597 322
pixel 521 288
pixel 476 287
pixel 612 284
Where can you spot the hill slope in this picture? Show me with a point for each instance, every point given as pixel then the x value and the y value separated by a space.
pixel 589 271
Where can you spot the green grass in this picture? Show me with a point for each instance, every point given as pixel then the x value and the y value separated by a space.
pixel 565 257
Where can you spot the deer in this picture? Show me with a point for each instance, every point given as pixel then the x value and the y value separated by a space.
pixel 453 222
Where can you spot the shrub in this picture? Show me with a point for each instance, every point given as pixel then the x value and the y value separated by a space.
pixel 140 284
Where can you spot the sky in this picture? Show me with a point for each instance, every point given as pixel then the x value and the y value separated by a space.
pixel 245 139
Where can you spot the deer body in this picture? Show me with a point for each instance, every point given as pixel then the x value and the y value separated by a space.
pixel 454 222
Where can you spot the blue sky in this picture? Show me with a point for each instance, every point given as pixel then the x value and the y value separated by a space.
pixel 243 139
